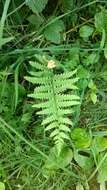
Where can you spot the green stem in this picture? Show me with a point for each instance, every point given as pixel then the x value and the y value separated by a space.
pixel 102 186
pixel 77 117
pixel 3 18
pixel 55 101
pixel 103 39
pixel 54 96
pixel 98 166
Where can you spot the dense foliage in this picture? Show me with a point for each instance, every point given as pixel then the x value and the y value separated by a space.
pixel 53 87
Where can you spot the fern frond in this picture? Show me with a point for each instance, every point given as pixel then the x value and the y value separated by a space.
pixel 47 111
pixel 49 120
pixel 39 95
pixel 56 99
pixel 37 65
pixel 65 111
pixel 58 82
pixel 65 120
pixel 67 97
pixel 65 75
pixel 43 105
pixel 64 128
pixel 35 80
pixel 60 89
pixel 51 126
pixel 64 104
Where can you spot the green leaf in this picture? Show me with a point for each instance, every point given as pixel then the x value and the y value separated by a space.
pixel 92 85
pixel 85 32
pixel 35 20
pixel 53 32
pixel 2 186
pixel 55 161
pixel 99 144
pixel 82 72
pixel 67 5
pixel 92 59
pixel 101 20
pixel 80 138
pixel 84 161
pixel 36 6
pixel 93 97
pixel 26 117
pixel 73 58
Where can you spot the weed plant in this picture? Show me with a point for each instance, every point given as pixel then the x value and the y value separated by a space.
pixel 53 95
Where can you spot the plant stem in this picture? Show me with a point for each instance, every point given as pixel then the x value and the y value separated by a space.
pixel 3 18
pixel 103 39
pixel 102 186
pixel 97 168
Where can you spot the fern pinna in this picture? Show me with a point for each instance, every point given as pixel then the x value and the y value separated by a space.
pixel 55 100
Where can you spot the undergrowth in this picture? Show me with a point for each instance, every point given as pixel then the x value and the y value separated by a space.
pixel 53 87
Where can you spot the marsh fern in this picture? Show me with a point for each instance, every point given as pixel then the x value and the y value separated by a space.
pixel 55 98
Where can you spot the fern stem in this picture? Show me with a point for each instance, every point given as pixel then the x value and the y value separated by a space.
pixel 54 96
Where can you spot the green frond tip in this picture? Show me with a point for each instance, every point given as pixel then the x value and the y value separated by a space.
pixel 55 98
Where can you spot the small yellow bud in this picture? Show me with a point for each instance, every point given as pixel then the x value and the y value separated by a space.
pixel 51 64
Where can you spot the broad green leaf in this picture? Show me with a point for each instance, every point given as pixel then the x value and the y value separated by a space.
pixel 92 85
pixel 36 6
pixel 79 186
pixel 85 32
pixel 35 20
pixel 82 72
pixel 92 58
pixel 101 20
pixel 53 31
pixel 55 161
pixel 99 144
pixel 93 97
pixel 84 161
pixel 2 186
pixel 73 59
pixel 26 117
pixel 67 5
pixel 80 138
